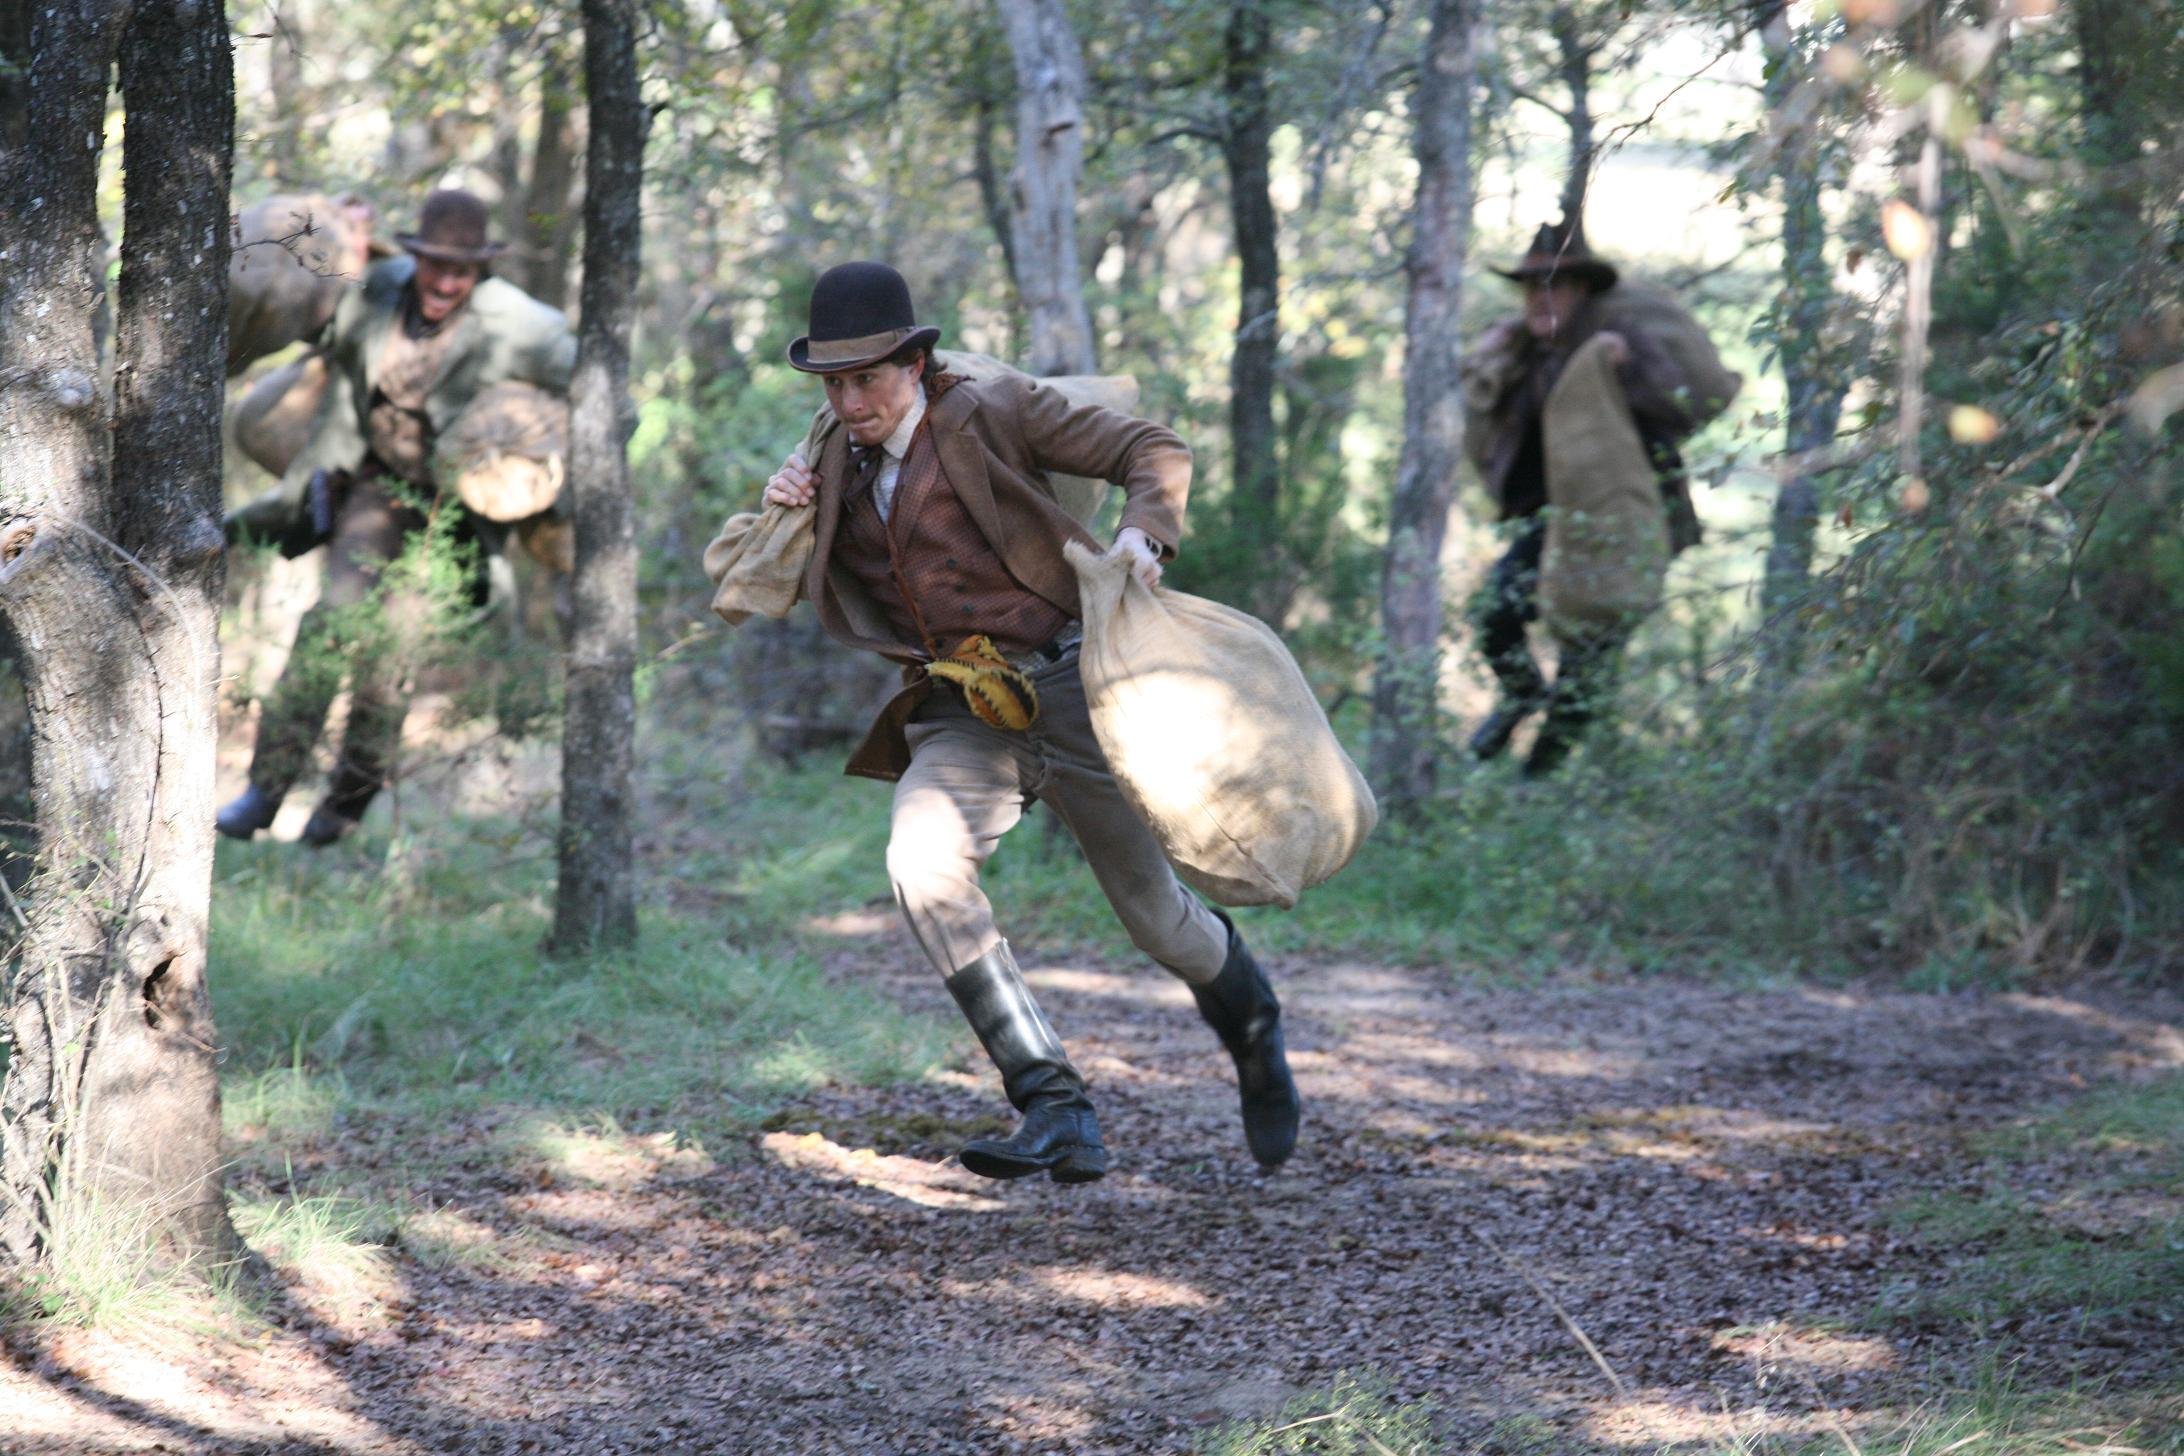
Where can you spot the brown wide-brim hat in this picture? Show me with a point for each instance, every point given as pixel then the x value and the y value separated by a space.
pixel 1559 251
pixel 452 228
pixel 860 314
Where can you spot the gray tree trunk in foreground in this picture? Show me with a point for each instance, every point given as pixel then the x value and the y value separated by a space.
pixel 111 572
pixel 1407 686
pixel 1050 160
pixel 596 905
pixel 1811 380
pixel 1246 147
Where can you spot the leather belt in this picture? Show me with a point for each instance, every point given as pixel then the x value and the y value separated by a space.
pixel 1045 656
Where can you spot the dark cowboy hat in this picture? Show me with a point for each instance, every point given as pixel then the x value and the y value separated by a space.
pixel 1558 251
pixel 451 227
pixel 860 314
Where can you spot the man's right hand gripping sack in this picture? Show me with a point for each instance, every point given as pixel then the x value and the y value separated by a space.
pixel 1216 739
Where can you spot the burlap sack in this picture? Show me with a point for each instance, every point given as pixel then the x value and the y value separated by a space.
pixel 272 421
pixel 1645 310
pixel 294 257
pixel 505 452
pixel 1607 536
pixel 757 561
pixel 1216 739
pixel 1118 392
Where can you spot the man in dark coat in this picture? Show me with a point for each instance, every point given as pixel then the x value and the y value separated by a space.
pixel 425 335
pixel 1507 379
pixel 938 544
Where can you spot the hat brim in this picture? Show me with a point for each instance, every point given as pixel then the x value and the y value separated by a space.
pixel 800 352
pixel 1602 276
pixel 446 253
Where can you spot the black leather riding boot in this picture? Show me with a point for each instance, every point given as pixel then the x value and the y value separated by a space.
pixel 1240 1006
pixel 247 813
pixel 1059 1135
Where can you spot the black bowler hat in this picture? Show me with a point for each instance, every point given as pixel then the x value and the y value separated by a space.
pixel 860 314
pixel 1558 251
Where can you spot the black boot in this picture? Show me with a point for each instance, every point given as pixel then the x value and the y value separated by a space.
pixel 1240 1006
pixel 349 792
pixel 1491 739
pixel 1059 1135
pixel 247 813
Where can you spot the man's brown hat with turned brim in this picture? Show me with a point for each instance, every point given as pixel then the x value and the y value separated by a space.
pixel 452 228
pixel 860 314
pixel 1558 251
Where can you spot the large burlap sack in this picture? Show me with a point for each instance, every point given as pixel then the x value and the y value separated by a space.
pixel 1118 392
pixel 1607 536
pixel 505 453
pixel 1216 739
pixel 1697 376
pixel 295 255
pixel 271 423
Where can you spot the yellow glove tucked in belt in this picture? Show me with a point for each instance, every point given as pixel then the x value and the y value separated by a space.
pixel 999 694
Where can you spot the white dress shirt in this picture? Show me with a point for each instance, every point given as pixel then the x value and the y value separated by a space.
pixel 896 446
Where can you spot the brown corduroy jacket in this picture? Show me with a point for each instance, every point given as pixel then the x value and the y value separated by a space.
pixel 996 440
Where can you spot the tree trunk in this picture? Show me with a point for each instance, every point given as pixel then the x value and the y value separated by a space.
pixel 596 905
pixel 111 571
pixel 1406 688
pixel 284 91
pixel 1575 65
pixel 1812 381
pixel 549 225
pixel 1255 500
pixel 1050 160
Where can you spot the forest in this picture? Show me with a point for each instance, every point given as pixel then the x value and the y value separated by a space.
pixel 1746 1016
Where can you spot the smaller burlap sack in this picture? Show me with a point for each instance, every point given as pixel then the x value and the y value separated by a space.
pixel 1698 377
pixel 757 561
pixel 294 256
pixel 272 421
pixel 1607 535
pixel 1216 739
pixel 504 453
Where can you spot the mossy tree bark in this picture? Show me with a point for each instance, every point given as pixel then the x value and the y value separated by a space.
pixel 595 906
pixel 1406 688
pixel 111 571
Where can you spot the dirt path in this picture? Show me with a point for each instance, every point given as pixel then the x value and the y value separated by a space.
pixel 1698 1177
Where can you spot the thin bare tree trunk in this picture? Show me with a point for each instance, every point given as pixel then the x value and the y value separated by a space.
pixel 1812 381
pixel 1406 688
pixel 596 905
pixel 549 224
pixel 1246 148
pixel 1575 64
pixel 1050 161
pixel 111 571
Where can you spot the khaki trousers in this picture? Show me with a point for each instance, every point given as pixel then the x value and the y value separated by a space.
pixel 967 785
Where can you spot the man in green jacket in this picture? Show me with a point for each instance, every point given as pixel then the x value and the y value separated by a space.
pixel 426 333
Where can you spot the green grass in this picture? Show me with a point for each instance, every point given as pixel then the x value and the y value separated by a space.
pixel 2082 1215
pixel 1354 1416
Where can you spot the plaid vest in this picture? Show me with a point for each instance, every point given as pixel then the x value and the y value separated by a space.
pixel 932 571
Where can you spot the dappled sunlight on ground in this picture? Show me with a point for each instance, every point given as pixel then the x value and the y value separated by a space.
pixel 1701 1181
